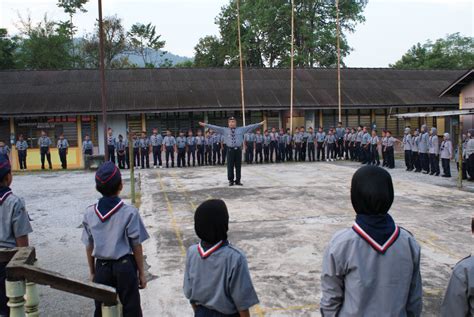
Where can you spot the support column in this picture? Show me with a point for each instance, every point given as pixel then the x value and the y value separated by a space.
pixel 143 122
pixel 15 292
pixel 372 118
pixel 14 153
pixel 265 125
pixel 280 119
pixel 79 140
pixel 320 117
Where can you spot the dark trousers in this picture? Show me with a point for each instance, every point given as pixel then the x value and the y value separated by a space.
pixel 311 152
pixel 331 151
pixel 434 163
pixel 298 152
pixel 340 149
pixel 202 311
pixel 409 160
pixel 266 153
pixel 127 157
pixel 224 153
pixel 365 153
pixel 181 157
pixel 63 158
pixel 303 151
pixel 281 152
pixel 22 159
pixel 208 155
pixel 273 150
pixel 320 151
pixel 425 162
pixel 357 151
pixel 200 154
pixel 464 169
pixel 289 152
pixel 416 161
pixel 446 167
pixel 44 152
pixel 390 157
pixel 145 157
pixel 258 152
pixel 234 161
pixel 249 153
pixel 470 166
pixel 374 155
pixel 136 157
pixel 192 154
pixel 216 153
pixel 4 309
pixel 170 154
pixel 121 159
pixel 111 150
pixel 88 152
pixel 123 276
pixel 157 155
pixel 352 151
pixel 346 150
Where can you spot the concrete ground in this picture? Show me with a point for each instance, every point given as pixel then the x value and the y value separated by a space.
pixel 282 219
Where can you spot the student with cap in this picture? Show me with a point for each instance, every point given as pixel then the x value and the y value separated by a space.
pixel 373 268
pixel 87 146
pixel 22 148
pixel 208 151
pixel 258 147
pixel 446 153
pixel 289 145
pixel 145 150
pixel 311 145
pixel 423 147
pixel 407 147
pixel 340 131
pixel 217 280
pixel 63 146
pixel 113 235
pixel 181 146
pixel 121 146
pixel 249 141
pixel 156 141
pixel 191 147
pixel 415 140
pixel 169 147
pixel 433 150
pixel 234 137
pixel 200 144
pixel 14 223
pixel 470 154
pixel 216 148
pixel 320 140
pixel 266 146
pixel 44 142
pixel 136 149
pixel 111 145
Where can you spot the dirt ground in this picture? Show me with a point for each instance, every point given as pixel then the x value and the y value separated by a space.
pixel 282 218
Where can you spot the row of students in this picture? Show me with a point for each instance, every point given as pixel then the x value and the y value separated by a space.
pixel 359 264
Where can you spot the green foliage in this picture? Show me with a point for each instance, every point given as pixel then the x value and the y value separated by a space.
pixel 452 52
pixel 72 6
pixel 266 33
pixel 142 40
pixel 185 64
pixel 7 50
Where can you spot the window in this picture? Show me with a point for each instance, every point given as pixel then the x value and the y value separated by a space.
pixel 53 126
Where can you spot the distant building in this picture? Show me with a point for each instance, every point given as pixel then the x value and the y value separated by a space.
pixel 69 102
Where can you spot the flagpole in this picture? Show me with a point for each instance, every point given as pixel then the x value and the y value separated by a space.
pixel 242 95
pixel 292 63
pixel 338 62
pixel 102 80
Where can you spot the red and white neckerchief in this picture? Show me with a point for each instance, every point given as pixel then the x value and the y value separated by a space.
pixel 206 254
pixel 374 244
pixel 108 214
pixel 4 196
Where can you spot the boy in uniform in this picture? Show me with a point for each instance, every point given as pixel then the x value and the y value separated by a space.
pixel 156 141
pixel 44 142
pixel 281 155
pixel 22 147
pixel 352 144
pixel 266 146
pixel 63 146
pixel 200 144
pixel 14 223
pixel 145 150
pixel 169 146
pixel 4 150
pixel 289 145
pixel 217 280
pixel 304 144
pixel 320 139
pixel 365 146
pixel 111 145
pixel 273 145
pixel 223 148
pixel 113 235
pixel 340 140
pixel 347 137
pixel 121 151
pixel 181 145
pixel 258 146
pixel 414 149
pixel 358 141
pixel 374 148
pixel 389 150
pixel 373 268
pixel 311 142
pixel 446 155
pixel 298 139
pixel 330 143
pixel 433 150
pixel 216 148
pixel 87 146
pixel 136 150
pixel 249 141
pixel 423 147
pixel 407 147
pixel 208 152
pixel 191 147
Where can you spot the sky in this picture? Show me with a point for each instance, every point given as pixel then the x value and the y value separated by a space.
pixel 391 27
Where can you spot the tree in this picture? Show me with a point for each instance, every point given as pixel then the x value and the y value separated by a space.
pixel 266 32
pixel 115 45
pixel 143 41
pixel 209 52
pixel 186 64
pixel 45 45
pixel 452 52
pixel 7 50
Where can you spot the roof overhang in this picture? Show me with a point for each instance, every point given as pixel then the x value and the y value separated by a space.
pixel 455 88
pixel 434 114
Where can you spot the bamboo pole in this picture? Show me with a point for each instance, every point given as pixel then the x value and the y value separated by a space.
pixel 338 63
pixel 292 70
pixel 102 79
pixel 131 160
pixel 242 95
pixel 460 141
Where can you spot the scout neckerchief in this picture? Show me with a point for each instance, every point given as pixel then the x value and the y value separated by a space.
pixel 107 206
pixel 379 231
pixel 207 253
pixel 4 193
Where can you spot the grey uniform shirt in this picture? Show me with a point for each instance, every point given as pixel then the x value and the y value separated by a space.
pixel 469 147
pixel 4 150
pixel 63 144
pixel 423 144
pixel 433 145
pixel 44 141
pixel 181 142
pixel 199 140
pixel 156 140
pixel 111 140
pixel 21 145
pixel 365 138
pixel 298 137
pixel 122 145
pixel 233 137
pixel 374 140
pixel 266 140
pixel 191 140
pixel 14 220
pixel 220 282
pixel 116 236
pixel 311 138
pixel 446 151
pixel 356 280
pixel 169 141
pixel 258 138
pixel 87 145
pixel 407 143
pixel 459 297
pixel 288 139
pixel 320 137
pixel 330 139
pixel 414 143
pixel 359 136
pixel 340 133
pixel 144 143
pixel 391 141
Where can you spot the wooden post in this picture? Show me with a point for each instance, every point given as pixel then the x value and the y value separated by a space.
pixel 102 79
pixel 110 311
pixel 292 63
pixel 79 140
pixel 460 140
pixel 320 117
pixel 131 158
pixel 242 94
pixel 16 292
pixel 143 122
pixel 32 300
pixel 339 107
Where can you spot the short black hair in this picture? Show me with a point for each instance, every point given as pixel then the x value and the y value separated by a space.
pixel 109 189
pixel 3 180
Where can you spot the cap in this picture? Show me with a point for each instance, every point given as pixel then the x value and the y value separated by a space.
pixel 108 173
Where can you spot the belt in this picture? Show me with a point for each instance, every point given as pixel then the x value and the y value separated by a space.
pixel 115 261
pixel 234 148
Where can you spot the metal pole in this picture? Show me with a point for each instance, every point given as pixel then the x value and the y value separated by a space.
pixel 460 140
pixel 131 159
pixel 242 96
pixel 292 63
pixel 102 79
pixel 338 62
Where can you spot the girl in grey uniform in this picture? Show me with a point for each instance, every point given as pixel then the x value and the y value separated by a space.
pixel 446 153
pixel 22 148
pixel 217 280
pixel 433 150
pixel 373 268
pixel 63 147
pixel 414 148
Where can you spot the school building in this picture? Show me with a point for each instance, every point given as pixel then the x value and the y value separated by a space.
pixel 69 101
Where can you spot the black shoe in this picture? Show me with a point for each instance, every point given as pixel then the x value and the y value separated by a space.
pixel 437 174
pixel 231 183
pixel 417 171
pixel 425 172
pixel 239 183
pixel 447 176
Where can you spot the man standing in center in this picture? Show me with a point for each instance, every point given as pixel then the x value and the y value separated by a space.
pixel 233 137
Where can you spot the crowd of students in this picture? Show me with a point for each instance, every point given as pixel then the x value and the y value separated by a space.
pixel 375 261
